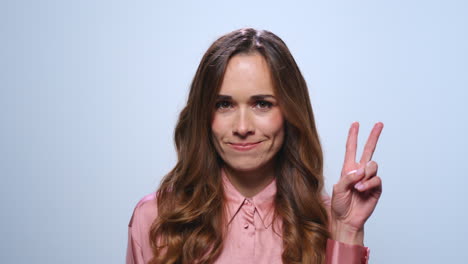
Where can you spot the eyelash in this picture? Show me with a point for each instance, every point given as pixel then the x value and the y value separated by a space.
pixel 268 104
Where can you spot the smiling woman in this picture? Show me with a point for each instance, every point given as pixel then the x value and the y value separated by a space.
pixel 248 184
pixel 249 131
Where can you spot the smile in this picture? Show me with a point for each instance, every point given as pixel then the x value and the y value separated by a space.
pixel 244 146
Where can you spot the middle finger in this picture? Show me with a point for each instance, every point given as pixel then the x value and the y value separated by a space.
pixel 371 143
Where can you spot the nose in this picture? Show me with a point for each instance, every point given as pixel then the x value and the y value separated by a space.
pixel 243 125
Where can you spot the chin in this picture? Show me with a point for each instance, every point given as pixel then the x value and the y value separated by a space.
pixel 245 165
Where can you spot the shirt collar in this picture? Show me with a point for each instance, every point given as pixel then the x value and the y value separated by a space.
pixel 263 201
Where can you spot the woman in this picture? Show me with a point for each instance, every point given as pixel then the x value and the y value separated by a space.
pixel 248 184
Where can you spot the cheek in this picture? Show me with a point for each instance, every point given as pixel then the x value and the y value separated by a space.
pixel 273 125
pixel 217 126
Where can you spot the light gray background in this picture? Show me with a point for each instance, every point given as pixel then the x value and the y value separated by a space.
pixel 90 93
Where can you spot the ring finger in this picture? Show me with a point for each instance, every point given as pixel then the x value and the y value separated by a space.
pixel 371 170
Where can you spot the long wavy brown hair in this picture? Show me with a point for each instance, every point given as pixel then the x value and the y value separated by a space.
pixel 190 225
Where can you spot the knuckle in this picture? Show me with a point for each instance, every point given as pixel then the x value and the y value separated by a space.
pixel 372 166
pixel 379 180
pixel 379 185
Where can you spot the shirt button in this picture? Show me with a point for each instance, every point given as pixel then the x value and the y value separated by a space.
pixel 247 202
pixel 246 225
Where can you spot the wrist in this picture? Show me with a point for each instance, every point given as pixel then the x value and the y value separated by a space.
pixel 349 235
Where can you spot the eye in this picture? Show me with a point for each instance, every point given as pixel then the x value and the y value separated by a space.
pixel 263 104
pixel 223 105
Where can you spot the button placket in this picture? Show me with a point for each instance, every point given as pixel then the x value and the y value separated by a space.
pixel 248 218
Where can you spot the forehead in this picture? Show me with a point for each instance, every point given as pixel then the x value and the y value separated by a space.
pixel 246 75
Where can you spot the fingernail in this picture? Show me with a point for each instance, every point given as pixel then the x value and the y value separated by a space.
pixel 351 172
pixel 359 186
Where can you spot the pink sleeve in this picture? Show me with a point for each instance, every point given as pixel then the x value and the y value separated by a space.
pixel 134 252
pixel 138 248
pixel 341 253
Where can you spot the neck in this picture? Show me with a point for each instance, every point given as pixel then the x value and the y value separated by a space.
pixel 249 183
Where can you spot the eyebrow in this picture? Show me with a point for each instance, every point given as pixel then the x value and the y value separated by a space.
pixel 253 97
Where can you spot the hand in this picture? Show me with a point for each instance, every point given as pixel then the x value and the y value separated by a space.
pixel 357 192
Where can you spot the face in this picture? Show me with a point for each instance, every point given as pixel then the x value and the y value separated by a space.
pixel 248 123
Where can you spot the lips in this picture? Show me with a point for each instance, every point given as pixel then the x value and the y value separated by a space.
pixel 244 146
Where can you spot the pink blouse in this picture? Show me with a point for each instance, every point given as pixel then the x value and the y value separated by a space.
pixel 251 236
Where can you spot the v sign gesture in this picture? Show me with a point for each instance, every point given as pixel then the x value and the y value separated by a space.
pixel 357 192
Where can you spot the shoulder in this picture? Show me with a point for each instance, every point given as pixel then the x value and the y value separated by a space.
pixel 145 211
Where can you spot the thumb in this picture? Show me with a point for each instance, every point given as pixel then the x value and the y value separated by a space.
pixel 349 179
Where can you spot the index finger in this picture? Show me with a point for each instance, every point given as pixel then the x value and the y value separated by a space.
pixel 351 146
pixel 371 143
